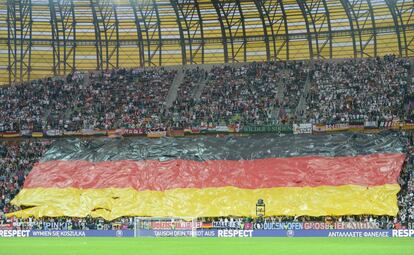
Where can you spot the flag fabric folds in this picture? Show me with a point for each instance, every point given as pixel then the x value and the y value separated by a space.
pixel 337 174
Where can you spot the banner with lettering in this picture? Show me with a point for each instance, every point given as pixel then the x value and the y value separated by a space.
pixel 279 128
pixel 220 233
pixel 134 131
pixel 305 128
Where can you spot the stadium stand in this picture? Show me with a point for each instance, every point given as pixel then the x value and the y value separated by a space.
pixel 255 93
pixel 121 98
pixel 245 94
pixel 369 89
pixel 69 68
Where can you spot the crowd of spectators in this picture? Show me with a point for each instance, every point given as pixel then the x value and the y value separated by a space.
pixel 103 100
pixel 183 111
pixel 192 78
pixel 124 223
pixel 371 89
pixel 293 81
pixel 257 93
pixel 248 94
pixel 69 223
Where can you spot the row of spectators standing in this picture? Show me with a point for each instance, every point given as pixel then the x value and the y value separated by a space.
pixel 124 223
pixel 256 93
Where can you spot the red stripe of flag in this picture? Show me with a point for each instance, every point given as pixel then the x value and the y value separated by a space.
pixel 365 170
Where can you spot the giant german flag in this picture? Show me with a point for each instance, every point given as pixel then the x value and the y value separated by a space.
pixel 341 174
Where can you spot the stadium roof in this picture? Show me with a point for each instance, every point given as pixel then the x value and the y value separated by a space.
pixel 44 37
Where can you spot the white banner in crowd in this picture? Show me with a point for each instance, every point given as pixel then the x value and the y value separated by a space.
pixel 305 128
